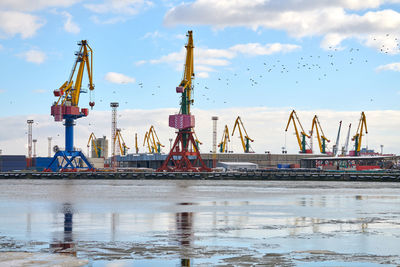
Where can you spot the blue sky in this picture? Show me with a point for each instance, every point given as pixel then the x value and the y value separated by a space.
pixel 306 55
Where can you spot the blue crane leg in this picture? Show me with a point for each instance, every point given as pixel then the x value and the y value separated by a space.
pixel 69 134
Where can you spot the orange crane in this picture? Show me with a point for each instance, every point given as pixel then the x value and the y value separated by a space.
pixel 197 141
pixel 321 138
pixel 245 144
pixel 302 142
pixel 223 145
pixel 359 133
pixel 97 150
pixel 121 143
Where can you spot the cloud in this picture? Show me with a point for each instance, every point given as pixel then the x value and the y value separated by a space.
pixel 29 5
pixel 152 35
pixel 39 91
pixel 207 59
pixel 2 91
pixel 13 23
pixel 265 125
pixel 126 7
pixel 118 78
pixel 334 20
pixel 69 25
pixel 391 66
pixel 34 56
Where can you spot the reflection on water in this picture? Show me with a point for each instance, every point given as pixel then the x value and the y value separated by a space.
pixel 65 244
pixel 190 223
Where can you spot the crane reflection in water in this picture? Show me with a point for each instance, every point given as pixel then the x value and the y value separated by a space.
pixel 184 228
pixel 65 244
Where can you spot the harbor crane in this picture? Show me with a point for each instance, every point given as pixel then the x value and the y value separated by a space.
pixel 302 142
pixel 121 143
pixel 153 143
pixel 136 144
pixel 336 145
pixel 223 145
pixel 359 133
pixel 66 108
pixel 345 148
pixel 245 139
pixel 197 141
pixel 321 138
pixel 92 140
pixel 178 157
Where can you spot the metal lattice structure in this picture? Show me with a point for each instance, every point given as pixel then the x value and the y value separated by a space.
pixel 114 106
pixel 49 146
pixel 214 137
pixel 30 122
pixel 34 147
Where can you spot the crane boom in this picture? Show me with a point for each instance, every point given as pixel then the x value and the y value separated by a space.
pixel 359 133
pixel 69 92
pixel 302 142
pixel 346 144
pixel 321 138
pixel 153 143
pixel 185 87
pixel 245 144
pixel 336 146
pixel 223 145
pixel 121 143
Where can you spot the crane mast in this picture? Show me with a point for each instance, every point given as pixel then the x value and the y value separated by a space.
pixel 336 146
pixel 121 143
pixel 357 138
pixel 302 142
pixel 321 138
pixel 244 139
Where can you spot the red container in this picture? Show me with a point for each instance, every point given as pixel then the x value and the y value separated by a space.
pixel 180 89
pixel 85 111
pixel 181 121
pixel 352 153
pixel 58 117
pixel 308 151
pixel 365 168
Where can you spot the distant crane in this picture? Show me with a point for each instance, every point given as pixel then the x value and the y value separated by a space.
pixel 136 144
pixel 223 145
pixel 359 133
pixel 345 148
pixel 66 108
pixel 121 143
pixel 245 139
pixel 336 145
pixel 92 140
pixel 153 143
pixel 302 142
pixel 321 138
pixel 196 145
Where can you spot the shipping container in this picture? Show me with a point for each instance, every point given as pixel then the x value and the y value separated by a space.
pixel 12 163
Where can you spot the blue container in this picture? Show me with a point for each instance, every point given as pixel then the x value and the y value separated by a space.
pixel 12 163
pixel 43 162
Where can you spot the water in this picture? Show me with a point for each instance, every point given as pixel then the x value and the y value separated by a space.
pixel 198 223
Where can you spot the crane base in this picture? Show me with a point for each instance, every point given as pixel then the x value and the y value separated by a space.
pixel 69 161
pixel 180 153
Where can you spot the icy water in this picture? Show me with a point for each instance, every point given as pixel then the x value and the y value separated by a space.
pixel 198 223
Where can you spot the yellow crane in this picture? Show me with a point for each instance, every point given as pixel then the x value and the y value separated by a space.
pixel 69 92
pixel 136 144
pixel 302 142
pixel 321 138
pixel 246 139
pixel 223 146
pixel 97 150
pixel 121 143
pixel 359 133
pixel 198 143
pixel 153 143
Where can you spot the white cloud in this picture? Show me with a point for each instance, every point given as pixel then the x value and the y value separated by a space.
pixel 34 56
pixel 392 66
pixel 334 20
pixel 207 59
pixel 140 62
pixel 257 121
pixel 39 91
pixel 13 23
pixel 127 7
pixel 152 35
pixel 69 25
pixel 118 78
pixel 29 5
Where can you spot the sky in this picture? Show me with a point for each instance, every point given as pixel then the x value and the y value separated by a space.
pixel 254 59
